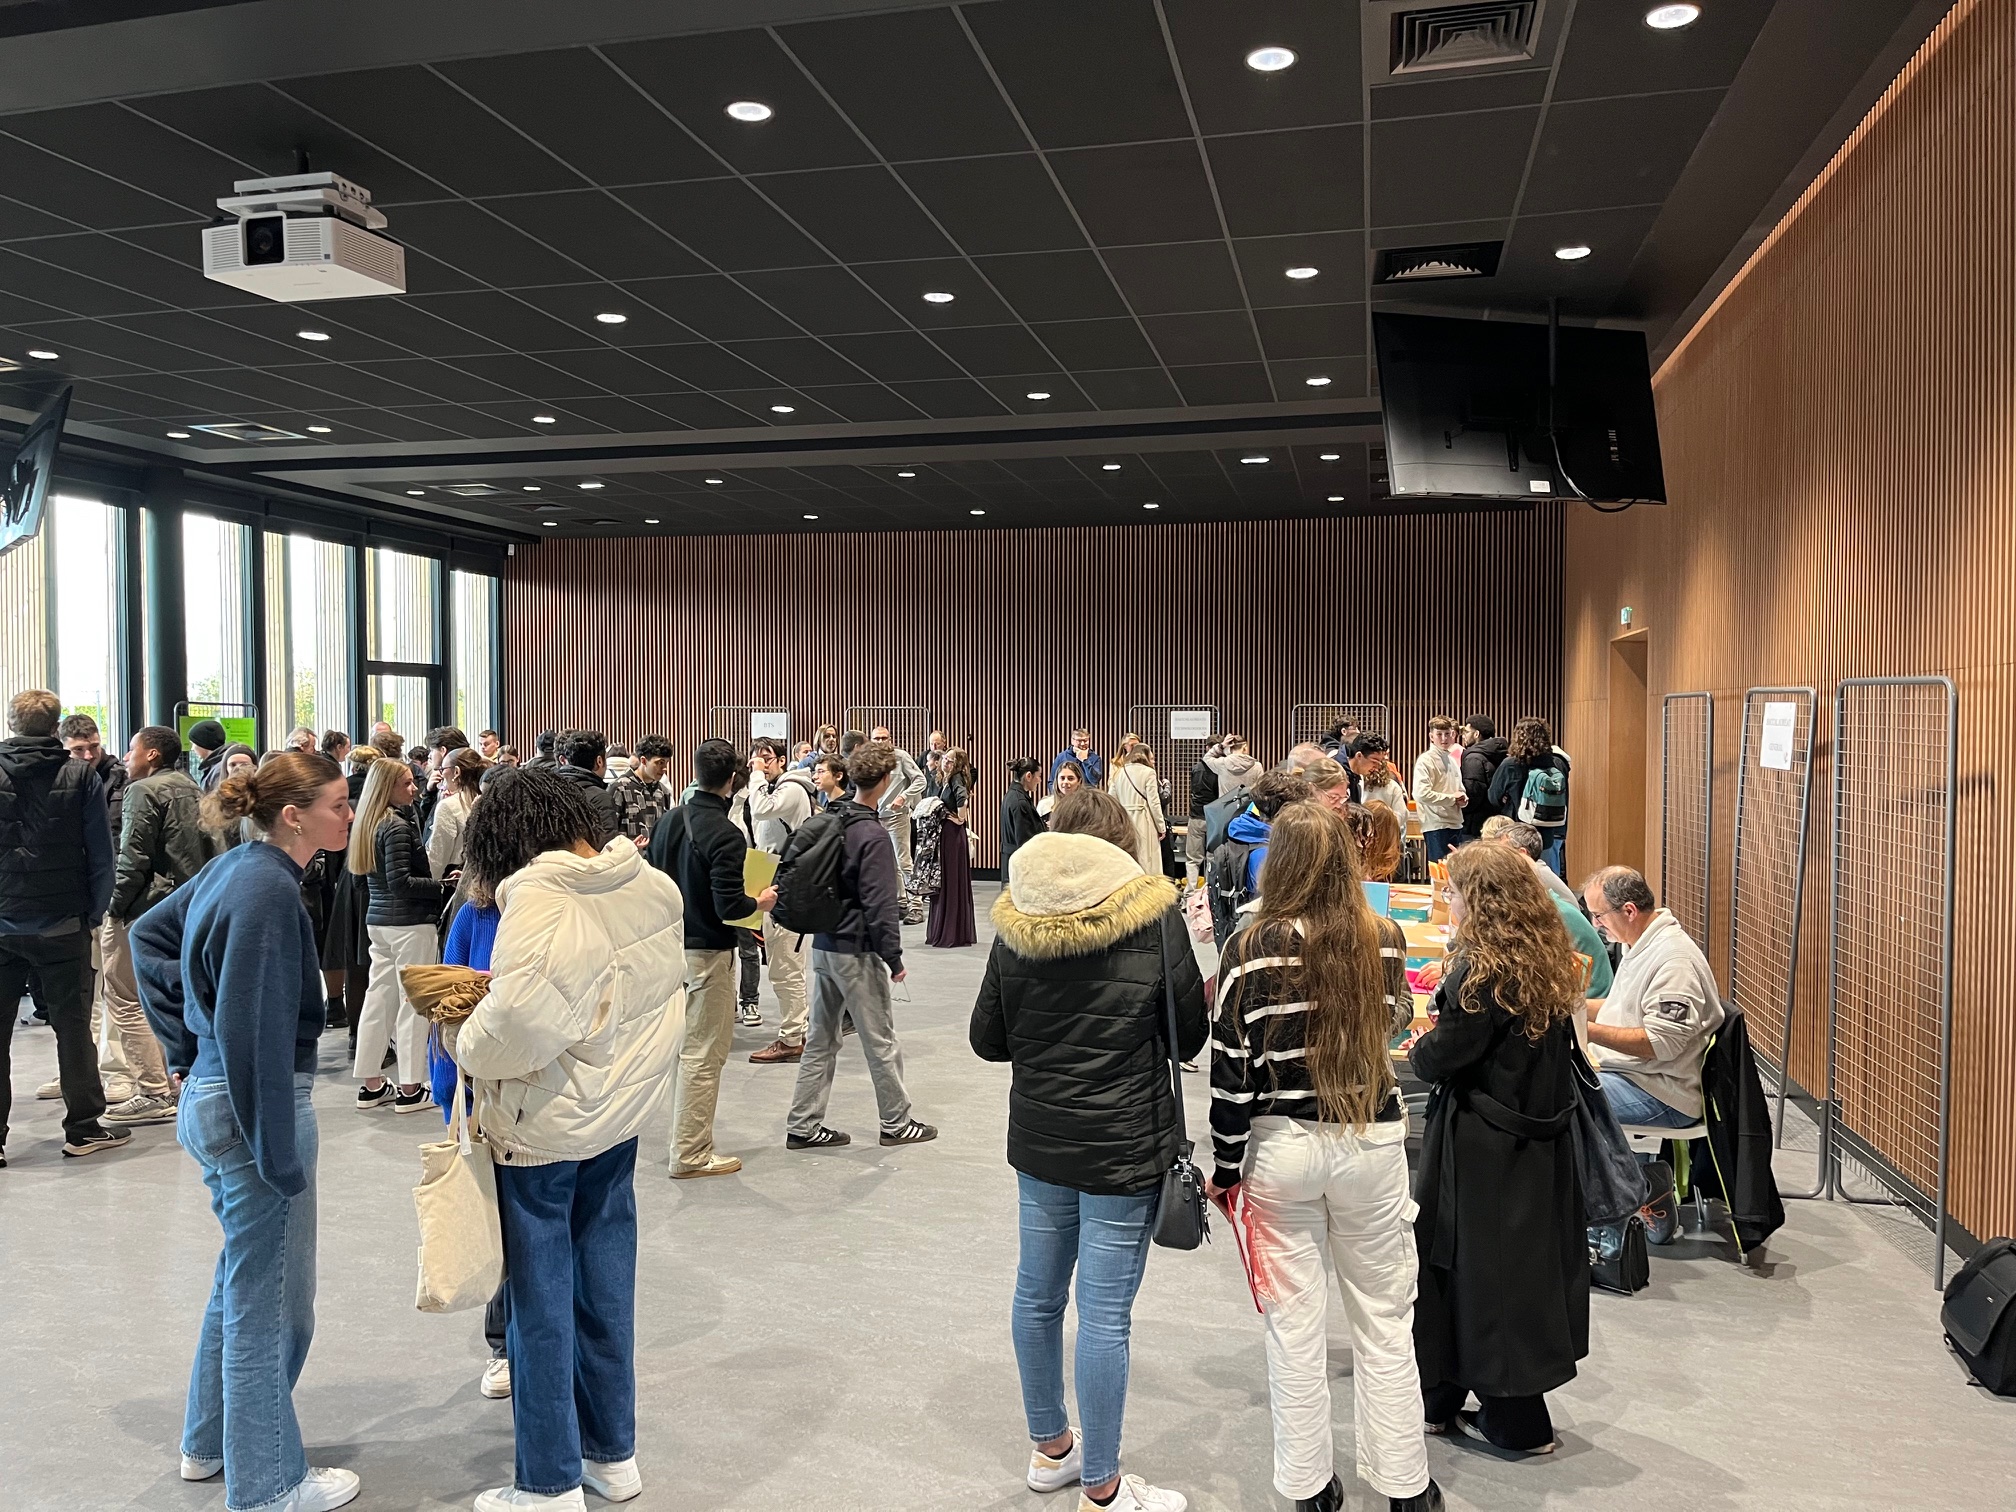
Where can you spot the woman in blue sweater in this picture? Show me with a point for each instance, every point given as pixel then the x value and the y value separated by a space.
pixel 231 982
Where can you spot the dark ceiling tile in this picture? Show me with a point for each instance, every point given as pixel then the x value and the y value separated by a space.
pixel 113 396
pixel 1337 256
pixel 459 422
pixel 18 220
pixel 698 77
pixel 227 343
pixel 896 356
pixel 86 348
pixel 193 395
pixel 1449 95
pixel 16 312
pixel 111 260
pixel 417 116
pixel 714 306
pixel 1333 330
pixel 1612 42
pixel 1588 287
pixel 536 379
pixel 282 323
pixel 413 325
pixel 608 369
pixel 617 416
pixel 54 285
pixel 429 275
pixel 90 199
pixel 1054 285
pixel 1148 192
pixel 996 204
pixel 904 285
pixel 857 214
pixel 467 239
pixel 577 306
pixel 1630 151
pixel 991 350
pixel 910 81
pixel 1178 276
pixel 359 386
pixel 797 361
pixel 1213 39
pixel 581 109
pixel 1065 396
pixel 1449 168
pixel 1084 74
pixel 1132 388
pixel 508 322
pixel 1346 375
pixel 726 222
pixel 1186 340
pixel 1081 345
pixel 182 175
pixel 274 388
pixel 439 380
pixel 705 366
pixel 824 300
pixel 598 233
pixel 1279 183
pixel 257 125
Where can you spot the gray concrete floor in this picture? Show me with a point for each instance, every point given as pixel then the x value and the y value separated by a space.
pixel 829 1332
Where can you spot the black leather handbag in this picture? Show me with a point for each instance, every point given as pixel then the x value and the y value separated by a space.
pixel 1182 1218
pixel 1978 1320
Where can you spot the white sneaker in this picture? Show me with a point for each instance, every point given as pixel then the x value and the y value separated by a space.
pixel 119 1088
pixel 1047 1474
pixel 197 1467
pixel 496 1379
pixel 1136 1495
pixel 142 1109
pixel 49 1091
pixel 511 1499
pixel 612 1480
pixel 321 1490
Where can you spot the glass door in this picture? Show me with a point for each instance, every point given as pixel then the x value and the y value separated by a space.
pixel 404 701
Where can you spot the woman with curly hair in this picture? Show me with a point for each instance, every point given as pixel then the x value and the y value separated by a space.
pixel 1504 1302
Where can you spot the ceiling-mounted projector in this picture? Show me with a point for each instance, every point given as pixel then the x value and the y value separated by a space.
pixel 303 237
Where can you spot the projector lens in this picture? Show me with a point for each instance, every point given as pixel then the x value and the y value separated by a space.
pixel 265 240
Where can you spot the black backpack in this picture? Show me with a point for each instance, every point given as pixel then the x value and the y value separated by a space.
pixel 1225 879
pixel 1977 1318
pixel 808 874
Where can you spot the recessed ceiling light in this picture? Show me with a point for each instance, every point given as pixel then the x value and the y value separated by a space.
pixel 42 354
pixel 650 522
pixel 937 296
pixel 550 524
pixel 313 335
pixel 1302 272
pixel 1572 254
pixel 1251 461
pixel 545 419
pixel 416 493
pixel 1672 17
pixel 783 409
pixel 1269 59
pixel 1151 506
pixel 1109 467
pixel 531 488
pixel 588 485
pixel 610 317
pixel 1318 382
pixel 318 430
pixel 1336 499
pixel 1036 394
pixel 178 435
pixel 906 475
pixel 712 480
pixel 1327 456
pixel 749 110
pixel 811 517
pixel 976 511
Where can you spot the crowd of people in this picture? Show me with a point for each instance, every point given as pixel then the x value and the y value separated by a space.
pixel 190 922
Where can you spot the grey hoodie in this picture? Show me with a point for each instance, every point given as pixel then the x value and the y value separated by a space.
pixel 1235 770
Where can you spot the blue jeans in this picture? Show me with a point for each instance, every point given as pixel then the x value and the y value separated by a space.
pixel 1440 842
pixel 1107 1239
pixel 570 1256
pixel 1634 1105
pixel 261 1316
pixel 1555 852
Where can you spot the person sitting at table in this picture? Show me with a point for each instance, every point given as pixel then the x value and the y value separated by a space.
pixel 1496 828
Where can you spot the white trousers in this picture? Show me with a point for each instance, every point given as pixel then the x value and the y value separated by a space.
pixel 1312 1186
pixel 387 1015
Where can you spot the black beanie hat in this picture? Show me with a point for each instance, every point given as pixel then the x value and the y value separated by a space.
pixel 206 733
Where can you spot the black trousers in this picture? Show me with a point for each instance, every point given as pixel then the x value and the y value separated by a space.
pixel 750 950
pixel 1516 1423
pixel 63 965
pixel 497 1318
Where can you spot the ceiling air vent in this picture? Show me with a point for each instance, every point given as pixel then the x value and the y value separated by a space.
pixel 471 490
pixel 246 430
pixel 1399 265
pixel 1463 36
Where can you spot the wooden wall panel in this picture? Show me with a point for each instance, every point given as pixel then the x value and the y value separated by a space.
pixel 1015 637
pixel 1840 439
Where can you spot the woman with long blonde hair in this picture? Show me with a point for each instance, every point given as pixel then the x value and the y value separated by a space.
pixel 402 920
pixel 1504 1302
pixel 1306 1118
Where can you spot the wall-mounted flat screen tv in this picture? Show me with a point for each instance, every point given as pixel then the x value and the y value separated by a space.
pixel 28 476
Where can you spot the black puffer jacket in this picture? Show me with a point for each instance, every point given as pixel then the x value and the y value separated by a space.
pixel 1480 765
pixel 403 891
pixel 601 802
pixel 1073 997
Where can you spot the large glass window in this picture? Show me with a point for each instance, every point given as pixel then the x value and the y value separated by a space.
pixel 24 610
pixel 308 635
pixel 402 703
pixel 87 550
pixel 214 564
pixel 474 600
pixel 402 607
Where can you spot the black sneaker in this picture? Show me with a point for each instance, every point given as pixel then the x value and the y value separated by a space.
pixel 412 1102
pixel 1662 1209
pixel 821 1138
pixel 911 1133
pixel 1429 1500
pixel 333 1014
pixel 382 1098
pixel 97 1142
pixel 1329 1499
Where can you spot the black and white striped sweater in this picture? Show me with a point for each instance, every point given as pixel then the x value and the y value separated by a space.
pixel 1258 1043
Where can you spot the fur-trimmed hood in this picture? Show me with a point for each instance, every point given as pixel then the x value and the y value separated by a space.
pixel 1074 895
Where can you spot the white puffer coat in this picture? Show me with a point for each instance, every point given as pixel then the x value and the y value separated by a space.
pixel 572 1050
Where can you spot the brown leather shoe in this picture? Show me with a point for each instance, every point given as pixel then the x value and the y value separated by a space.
pixel 777 1052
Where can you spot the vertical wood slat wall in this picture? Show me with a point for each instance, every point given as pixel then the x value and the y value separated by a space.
pixel 1841 459
pixel 1015 637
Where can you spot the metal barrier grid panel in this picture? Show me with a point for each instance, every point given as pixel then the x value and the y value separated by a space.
pixel 1687 808
pixel 909 724
pixel 1769 866
pixel 1891 931
pixel 1312 721
pixel 730 722
pixel 1173 757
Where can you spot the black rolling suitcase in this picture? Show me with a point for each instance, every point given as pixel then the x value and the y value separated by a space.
pixel 1978 1320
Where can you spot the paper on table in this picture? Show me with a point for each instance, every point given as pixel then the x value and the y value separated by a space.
pixel 759 870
